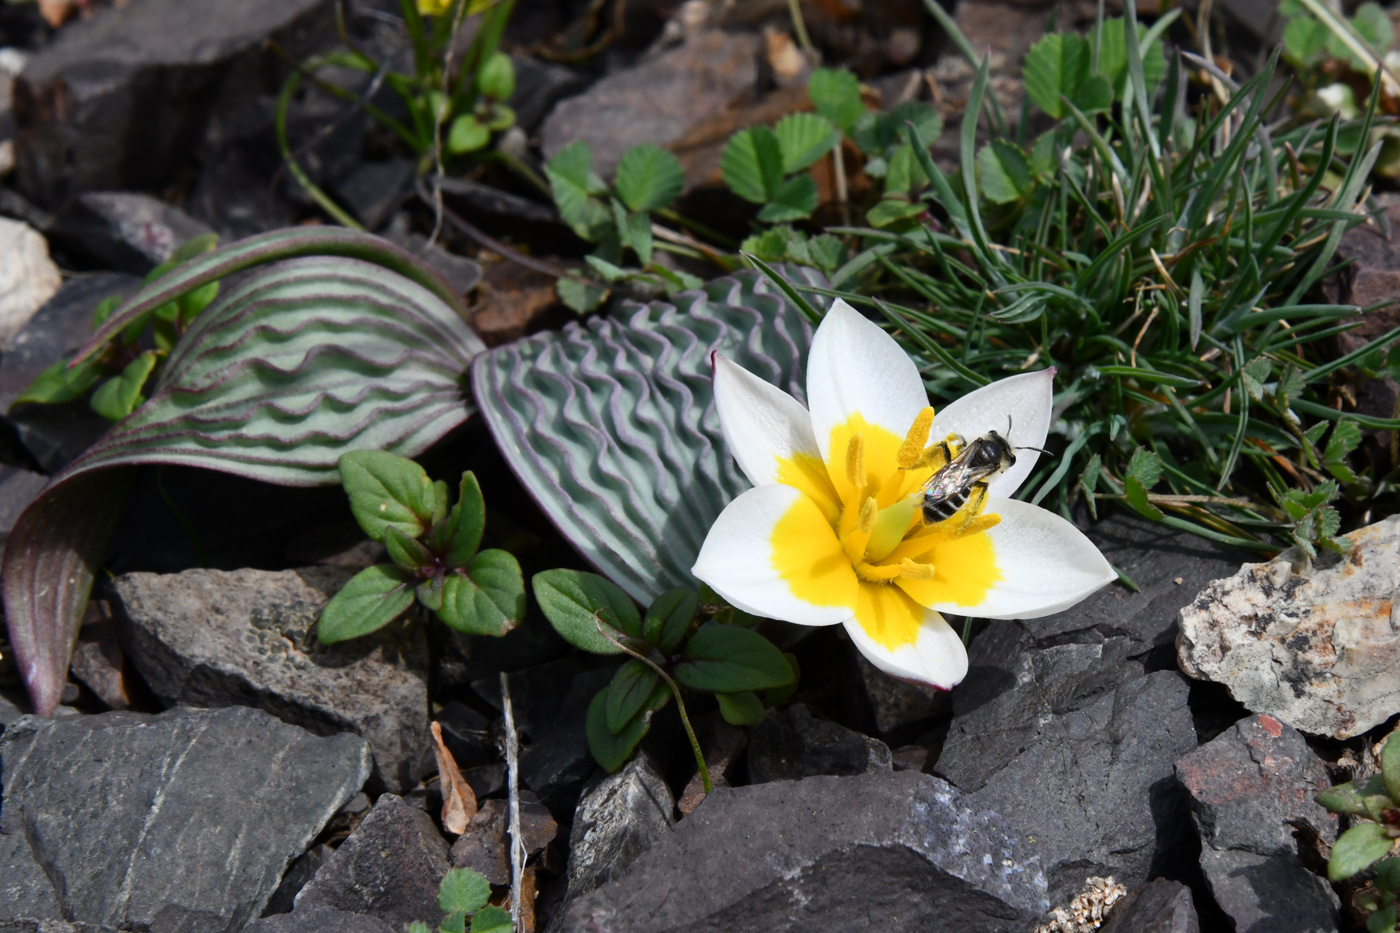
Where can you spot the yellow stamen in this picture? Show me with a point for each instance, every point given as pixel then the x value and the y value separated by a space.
pixel 911 570
pixel 855 539
pixel 913 446
pixel 936 457
pixel 978 525
pixel 855 462
pixel 873 574
pixel 869 511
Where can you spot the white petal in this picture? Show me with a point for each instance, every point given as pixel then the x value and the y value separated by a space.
pixel 1024 401
pixel 737 559
pixel 1046 564
pixel 937 657
pixel 856 368
pixel 762 424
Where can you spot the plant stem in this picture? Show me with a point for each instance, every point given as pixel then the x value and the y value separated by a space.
pixel 800 27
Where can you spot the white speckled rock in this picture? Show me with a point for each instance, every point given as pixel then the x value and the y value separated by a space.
pixel 1319 651
pixel 28 277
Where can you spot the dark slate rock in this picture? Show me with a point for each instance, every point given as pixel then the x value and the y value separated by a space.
pixel 894 851
pixel 183 821
pixel 790 744
pixel 389 867
pixel 323 921
pixel 1159 906
pixel 374 190
pixel 554 699
pixel 123 230
pixel 1097 792
pixel 97 663
pixel 485 846
pixel 18 488
pixel 217 638
pixel 897 704
pixel 120 100
pixel 10 712
pixel 1250 787
pixel 616 821
pixel 51 926
pixel 296 877
pixel 467 734
pixel 538 85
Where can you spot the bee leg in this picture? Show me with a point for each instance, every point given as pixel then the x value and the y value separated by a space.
pixel 939 455
pixel 976 504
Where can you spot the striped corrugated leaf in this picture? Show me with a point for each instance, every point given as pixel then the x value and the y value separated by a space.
pixel 610 423
pixel 306 360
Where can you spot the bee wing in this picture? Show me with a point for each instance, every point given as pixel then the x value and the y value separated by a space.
pixel 949 481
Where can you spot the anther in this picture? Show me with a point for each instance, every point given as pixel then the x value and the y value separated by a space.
pixel 869 511
pixel 913 446
pixel 855 461
pixel 912 570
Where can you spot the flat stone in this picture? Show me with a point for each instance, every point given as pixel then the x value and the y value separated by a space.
pixel 657 101
pixel 97 662
pixel 389 867
pixel 890 851
pixel 122 98
pixel 790 744
pixel 1160 906
pixel 123 230
pixel 1319 651
pixel 618 820
pixel 183 821
pixel 896 704
pixel 216 638
pixel 28 277
pixel 322 921
pixel 1269 892
pixel 485 846
pixel 1096 790
pixel 539 84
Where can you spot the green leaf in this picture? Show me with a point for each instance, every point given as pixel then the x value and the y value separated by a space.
pixel 408 553
pixel 370 600
pixel 775 696
pixel 1094 95
pixel 632 686
pixel 463 889
pixel 467 134
pixel 827 252
pixel 499 117
pixel 1305 41
pixel 1113 57
pixel 574 185
pixel 1357 849
pixel 465 523
pixel 387 490
pixel 58 384
pixel 576 603
pixel 1390 766
pixel 795 199
pixel 727 658
pixel 752 164
pixel 489 599
pixel 118 397
pixel 669 617
pixel 455 922
pixel 1346 435
pixel 648 178
pixel 429 592
pixel 491 919
pixel 496 79
pixel 417 926
pixel 1056 65
pixel 926 119
pixel 1255 373
pixel 1382 921
pixel 1004 172
pixel 580 297
pixel 804 138
pixel 890 211
pixel 1089 482
pixel 836 95
pixel 639 231
pixel 1145 467
pixel 612 749
pixel 740 709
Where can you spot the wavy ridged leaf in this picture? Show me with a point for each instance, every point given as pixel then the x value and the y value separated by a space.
pixel 304 361
pixel 610 423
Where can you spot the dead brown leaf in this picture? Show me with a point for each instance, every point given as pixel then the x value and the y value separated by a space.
pixel 458 799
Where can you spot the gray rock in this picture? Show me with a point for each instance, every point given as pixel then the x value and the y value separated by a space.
pixel 467 734
pixel 1096 790
pixel 896 703
pixel 322 921
pixel 658 100
pixel 182 821
pixel 374 190
pixel 119 100
pixel 389 867
pixel 216 638
pixel 301 871
pixel 1159 906
pixel 620 818
pixel 18 488
pixel 9 712
pixel 485 846
pixel 123 230
pixel 51 926
pixel 1319 650
pixel 97 662
pixel 538 86
pixel 790 744
pixel 895 851
pixel 1250 787
pixel 28 277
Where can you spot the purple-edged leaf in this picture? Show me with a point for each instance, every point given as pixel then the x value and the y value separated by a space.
pixel 50 560
pixel 610 422
pixel 369 600
pixel 304 361
pixel 488 599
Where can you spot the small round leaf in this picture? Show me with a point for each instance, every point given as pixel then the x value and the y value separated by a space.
pixel 463 889
pixel 1357 850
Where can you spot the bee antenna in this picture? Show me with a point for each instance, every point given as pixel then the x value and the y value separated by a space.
pixel 1041 449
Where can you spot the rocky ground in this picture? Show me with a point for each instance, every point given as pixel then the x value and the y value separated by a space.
pixel 1146 760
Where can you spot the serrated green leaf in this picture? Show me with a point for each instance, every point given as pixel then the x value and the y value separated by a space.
pixel 465 523
pixel 387 490
pixel 1045 158
pixel 1004 172
pixel 639 230
pixel 827 252
pixel 370 600
pixel 836 95
pixel 118 397
pixel 1095 95
pixel 612 749
pixel 648 178
pixel 1136 495
pixel 804 138
pixel 1255 373
pixel 1346 435
pixel 1357 849
pixel 1146 467
pixel 496 79
pixel 463 889
pixel 669 617
pixel 417 926
pixel 467 134
pixel 728 658
pixel 408 553
pixel 491 919
pixel 455 922
pixel 631 687
pixel 794 199
pixel 1056 65
pixel 1113 57
pixel 740 709
pixel 578 603
pixel 574 186
pixel 488 599
pixel 752 164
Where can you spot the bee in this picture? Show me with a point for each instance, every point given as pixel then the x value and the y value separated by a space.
pixel 965 474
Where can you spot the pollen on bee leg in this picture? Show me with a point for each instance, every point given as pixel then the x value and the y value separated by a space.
pixel 978 525
pixel 913 447
pixel 855 461
pixel 938 455
pixel 912 570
